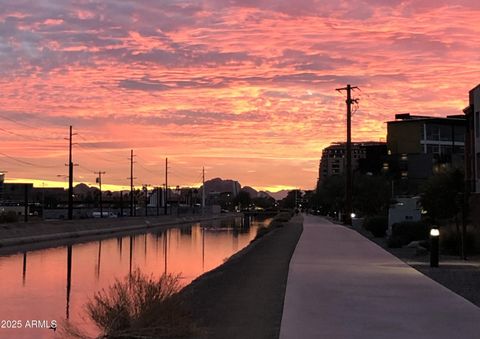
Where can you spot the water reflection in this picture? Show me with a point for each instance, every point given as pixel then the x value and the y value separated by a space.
pixel 99 256
pixel 188 251
pixel 24 271
pixel 69 280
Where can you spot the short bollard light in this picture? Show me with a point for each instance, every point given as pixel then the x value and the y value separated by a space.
pixel 434 246
pixel 352 215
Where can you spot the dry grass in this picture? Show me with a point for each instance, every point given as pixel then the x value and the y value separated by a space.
pixel 139 307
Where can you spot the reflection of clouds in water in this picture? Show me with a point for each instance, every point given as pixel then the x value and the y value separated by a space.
pixel 42 283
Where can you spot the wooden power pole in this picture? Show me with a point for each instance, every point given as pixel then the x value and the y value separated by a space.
pixel 348 151
pixel 99 182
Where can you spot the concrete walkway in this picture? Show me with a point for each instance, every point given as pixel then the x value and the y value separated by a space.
pixel 341 285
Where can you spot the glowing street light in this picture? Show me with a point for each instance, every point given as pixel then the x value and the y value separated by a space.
pixel 434 246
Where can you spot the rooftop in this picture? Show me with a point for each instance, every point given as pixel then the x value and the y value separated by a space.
pixel 407 117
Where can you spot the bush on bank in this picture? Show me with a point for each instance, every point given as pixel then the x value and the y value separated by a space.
pixel 277 221
pixel 9 216
pixel 405 232
pixel 377 225
pixel 139 306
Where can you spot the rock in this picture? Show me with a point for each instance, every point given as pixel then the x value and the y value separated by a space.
pixel 421 251
pixel 414 244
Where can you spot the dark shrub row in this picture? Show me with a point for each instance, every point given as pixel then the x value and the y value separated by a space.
pixel 377 225
pixel 405 232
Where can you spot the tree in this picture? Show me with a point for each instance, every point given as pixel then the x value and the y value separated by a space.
pixel 243 199
pixel 331 194
pixel 264 202
pixel 440 194
pixel 371 194
pixel 291 199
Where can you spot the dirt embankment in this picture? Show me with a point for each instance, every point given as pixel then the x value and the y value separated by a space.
pixel 243 298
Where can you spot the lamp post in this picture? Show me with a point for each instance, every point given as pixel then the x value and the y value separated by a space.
pixel 434 246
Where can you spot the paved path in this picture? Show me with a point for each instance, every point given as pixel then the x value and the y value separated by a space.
pixel 341 285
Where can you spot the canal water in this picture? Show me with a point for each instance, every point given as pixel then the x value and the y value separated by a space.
pixel 55 283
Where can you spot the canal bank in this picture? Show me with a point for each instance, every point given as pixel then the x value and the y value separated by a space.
pixel 243 298
pixel 57 282
pixel 32 235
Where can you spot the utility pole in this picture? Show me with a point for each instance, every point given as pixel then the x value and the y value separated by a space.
pixel 99 181
pixel 348 184
pixel 131 183
pixel 70 176
pixel 166 184
pixel 203 189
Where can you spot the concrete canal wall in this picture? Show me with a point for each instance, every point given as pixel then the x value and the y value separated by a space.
pixel 36 232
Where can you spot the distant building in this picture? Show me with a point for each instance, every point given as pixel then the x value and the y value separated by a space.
pixel 419 146
pixel 15 192
pixel 367 157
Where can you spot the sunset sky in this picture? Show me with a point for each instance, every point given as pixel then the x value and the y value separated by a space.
pixel 244 88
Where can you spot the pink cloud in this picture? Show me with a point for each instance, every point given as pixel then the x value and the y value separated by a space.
pixel 229 80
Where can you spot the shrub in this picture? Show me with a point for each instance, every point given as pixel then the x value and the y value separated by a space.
pixel 450 241
pixel 9 216
pixel 394 242
pixel 261 231
pixel 277 221
pixel 140 306
pixel 405 232
pixel 377 225
pixel 283 217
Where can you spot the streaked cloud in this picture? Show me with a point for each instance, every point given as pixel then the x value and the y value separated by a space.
pixel 222 81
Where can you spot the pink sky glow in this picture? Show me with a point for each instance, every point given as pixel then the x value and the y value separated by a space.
pixel 244 88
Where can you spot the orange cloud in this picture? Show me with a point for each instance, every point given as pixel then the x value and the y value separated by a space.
pixel 245 88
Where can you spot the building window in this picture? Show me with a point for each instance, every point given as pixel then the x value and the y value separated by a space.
pixel 433 149
pixel 446 133
pixel 433 132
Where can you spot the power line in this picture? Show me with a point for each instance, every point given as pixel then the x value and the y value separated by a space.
pixel 31 127
pixel 86 150
pixel 24 162
pixel 19 135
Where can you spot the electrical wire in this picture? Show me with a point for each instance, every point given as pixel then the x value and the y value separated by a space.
pixel 24 162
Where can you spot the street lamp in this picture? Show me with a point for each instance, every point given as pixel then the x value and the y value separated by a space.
pixel 434 246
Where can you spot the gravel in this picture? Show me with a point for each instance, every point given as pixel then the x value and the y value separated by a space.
pixel 460 276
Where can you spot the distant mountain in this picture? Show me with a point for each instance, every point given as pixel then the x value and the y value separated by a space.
pixel 83 189
pixel 263 194
pixel 251 191
pixel 232 186
pixel 276 195
pixel 221 186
